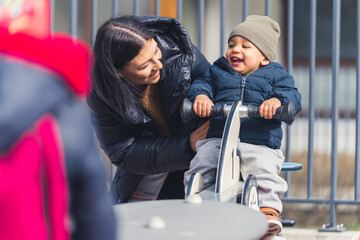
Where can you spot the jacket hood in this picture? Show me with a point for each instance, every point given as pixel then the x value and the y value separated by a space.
pixel 169 30
pixel 177 53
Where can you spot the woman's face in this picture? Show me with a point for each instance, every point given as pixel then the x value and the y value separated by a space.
pixel 145 67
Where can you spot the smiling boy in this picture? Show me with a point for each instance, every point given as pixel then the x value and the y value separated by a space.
pixel 248 74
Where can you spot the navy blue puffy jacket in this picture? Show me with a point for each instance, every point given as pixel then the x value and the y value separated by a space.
pixel 222 84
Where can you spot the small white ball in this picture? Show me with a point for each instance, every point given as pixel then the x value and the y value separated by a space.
pixel 156 222
pixel 194 199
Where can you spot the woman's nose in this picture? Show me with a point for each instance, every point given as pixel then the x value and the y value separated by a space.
pixel 158 63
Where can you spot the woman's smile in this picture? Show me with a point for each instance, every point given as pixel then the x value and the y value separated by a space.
pixel 155 74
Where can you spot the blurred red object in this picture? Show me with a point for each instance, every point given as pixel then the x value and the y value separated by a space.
pixel 31 17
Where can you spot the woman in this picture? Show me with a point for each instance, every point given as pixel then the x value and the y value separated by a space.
pixel 143 68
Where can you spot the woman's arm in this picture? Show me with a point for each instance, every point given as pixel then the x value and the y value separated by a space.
pixel 153 155
pixel 134 149
pixel 144 155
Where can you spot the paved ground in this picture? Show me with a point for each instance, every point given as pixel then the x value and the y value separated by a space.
pixel 314 234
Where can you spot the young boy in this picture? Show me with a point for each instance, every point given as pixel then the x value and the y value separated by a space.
pixel 249 74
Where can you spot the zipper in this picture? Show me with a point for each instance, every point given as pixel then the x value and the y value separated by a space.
pixel 243 82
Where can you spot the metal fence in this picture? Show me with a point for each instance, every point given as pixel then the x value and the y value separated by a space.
pixel 332 201
pixel 309 114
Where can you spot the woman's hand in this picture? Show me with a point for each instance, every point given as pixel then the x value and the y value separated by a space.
pixel 268 108
pixel 199 134
pixel 202 105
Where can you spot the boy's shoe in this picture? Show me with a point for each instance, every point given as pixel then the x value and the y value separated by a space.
pixel 274 223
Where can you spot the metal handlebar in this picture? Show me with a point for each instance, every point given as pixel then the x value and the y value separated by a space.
pixel 285 113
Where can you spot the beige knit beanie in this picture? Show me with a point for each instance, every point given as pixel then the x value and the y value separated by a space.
pixel 261 31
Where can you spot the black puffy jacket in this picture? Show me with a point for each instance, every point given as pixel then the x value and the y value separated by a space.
pixel 137 149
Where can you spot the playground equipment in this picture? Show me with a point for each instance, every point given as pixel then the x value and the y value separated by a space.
pixel 208 213
pixel 229 185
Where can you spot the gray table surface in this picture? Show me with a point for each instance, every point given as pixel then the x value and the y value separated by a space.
pixel 208 220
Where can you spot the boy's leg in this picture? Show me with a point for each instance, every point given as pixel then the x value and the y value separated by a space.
pixel 205 161
pixel 265 163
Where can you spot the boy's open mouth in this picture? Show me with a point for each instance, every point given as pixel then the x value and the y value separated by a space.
pixel 236 60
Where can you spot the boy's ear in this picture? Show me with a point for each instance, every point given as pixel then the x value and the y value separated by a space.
pixel 264 62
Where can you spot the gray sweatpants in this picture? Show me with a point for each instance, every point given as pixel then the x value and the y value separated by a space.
pixel 263 162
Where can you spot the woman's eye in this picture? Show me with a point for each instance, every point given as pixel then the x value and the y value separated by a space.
pixel 144 66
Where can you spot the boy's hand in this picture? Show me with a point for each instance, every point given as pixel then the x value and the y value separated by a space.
pixel 202 105
pixel 268 108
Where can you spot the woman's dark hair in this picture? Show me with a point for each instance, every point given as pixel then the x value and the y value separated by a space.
pixel 117 42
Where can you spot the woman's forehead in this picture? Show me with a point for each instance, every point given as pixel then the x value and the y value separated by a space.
pixel 146 53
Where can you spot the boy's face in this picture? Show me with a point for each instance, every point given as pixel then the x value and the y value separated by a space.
pixel 243 56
